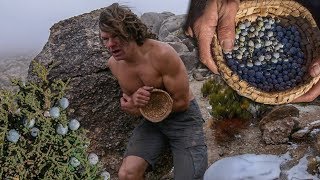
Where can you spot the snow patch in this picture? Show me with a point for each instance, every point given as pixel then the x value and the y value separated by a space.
pixel 256 167
pixel 306 109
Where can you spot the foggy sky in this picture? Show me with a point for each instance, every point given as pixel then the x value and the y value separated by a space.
pixel 25 24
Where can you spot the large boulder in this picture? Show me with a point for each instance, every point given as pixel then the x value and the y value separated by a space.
pixel 75 52
pixel 290 122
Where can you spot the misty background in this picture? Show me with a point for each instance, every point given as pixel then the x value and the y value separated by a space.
pixel 25 25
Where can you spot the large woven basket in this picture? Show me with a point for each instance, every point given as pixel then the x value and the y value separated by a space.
pixel 158 107
pixel 290 13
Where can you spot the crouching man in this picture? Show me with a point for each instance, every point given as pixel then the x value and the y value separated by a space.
pixel 141 63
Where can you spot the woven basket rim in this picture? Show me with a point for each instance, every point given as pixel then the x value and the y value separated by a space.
pixel 168 108
pixel 242 87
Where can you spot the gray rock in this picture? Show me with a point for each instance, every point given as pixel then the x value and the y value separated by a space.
pixel 308 123
pixel 180 33
pixel 301 133
pixel 171 38
pixel 278 113
pixel 153 20
pixel 279 131
pixel 294 121
pixel 317 143
pixel 197 76
pixel 190 60
pixel 179 47
pixel 278 124
pixel 170 25
pixel 189 43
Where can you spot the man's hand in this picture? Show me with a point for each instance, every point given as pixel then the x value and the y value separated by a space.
pixel 142 96
pixel 207 17
pixel 127 105
pixel 314 92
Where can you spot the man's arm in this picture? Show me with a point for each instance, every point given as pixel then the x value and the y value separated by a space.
pixel 175 77
pixel 126 104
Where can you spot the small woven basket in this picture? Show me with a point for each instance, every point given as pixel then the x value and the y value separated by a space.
pixel 290 13
pixel 158 107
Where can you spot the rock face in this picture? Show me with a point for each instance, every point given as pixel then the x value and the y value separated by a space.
pixel 290 122
pixel 154 20
pixel 277 125
pixel 75 52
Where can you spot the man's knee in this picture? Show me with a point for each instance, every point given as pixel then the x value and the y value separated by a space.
pixel 132 168
pixel 126 174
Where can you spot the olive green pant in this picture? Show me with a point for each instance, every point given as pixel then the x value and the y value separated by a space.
pixel 183 132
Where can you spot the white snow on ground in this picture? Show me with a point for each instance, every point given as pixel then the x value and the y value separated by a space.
pixel 306 109
pixel 300 171
pixel 315 132
pixel 315 122
pixel 256 167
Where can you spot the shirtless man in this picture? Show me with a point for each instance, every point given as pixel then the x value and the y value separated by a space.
pixel 140 64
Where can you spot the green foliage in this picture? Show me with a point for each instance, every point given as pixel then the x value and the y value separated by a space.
pixel 46 156
pixel 225 102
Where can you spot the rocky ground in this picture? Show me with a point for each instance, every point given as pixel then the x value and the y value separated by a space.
pixel 247 141
pixel 296 134
pixel 248 138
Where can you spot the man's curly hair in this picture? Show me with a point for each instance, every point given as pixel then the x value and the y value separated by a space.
pixel 122 22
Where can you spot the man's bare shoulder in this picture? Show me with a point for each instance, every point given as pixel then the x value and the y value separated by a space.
pixel 160 48
pixel 161 52
pixel 164 57
pixel 112 65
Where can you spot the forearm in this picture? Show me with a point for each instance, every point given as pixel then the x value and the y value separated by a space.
pixel 316 90
pixel 180 105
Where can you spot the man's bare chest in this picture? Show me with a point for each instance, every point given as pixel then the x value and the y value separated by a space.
pixel 131 80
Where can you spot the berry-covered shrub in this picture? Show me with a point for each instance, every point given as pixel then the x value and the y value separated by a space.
pixel 268 55
pixel 38 139
pixel 225 102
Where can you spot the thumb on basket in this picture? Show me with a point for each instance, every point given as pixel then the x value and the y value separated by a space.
pixel 226 25
pixel 315 68
pixel 314 92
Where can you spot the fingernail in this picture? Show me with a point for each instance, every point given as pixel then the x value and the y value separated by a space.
pixel 227 45
pixel 315 71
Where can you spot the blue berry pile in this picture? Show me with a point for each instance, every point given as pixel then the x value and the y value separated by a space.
pixel 267 55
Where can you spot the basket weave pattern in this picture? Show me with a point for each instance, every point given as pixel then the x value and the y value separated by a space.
pixel 290 13
pixel 158 107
